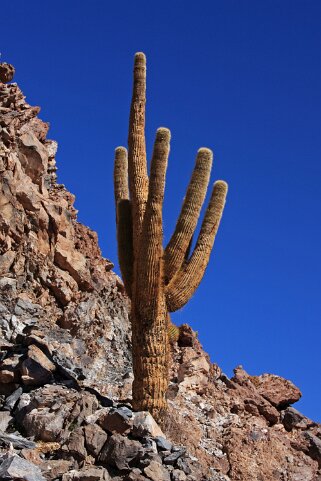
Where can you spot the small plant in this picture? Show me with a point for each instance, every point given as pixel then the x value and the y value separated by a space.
pixel 158 280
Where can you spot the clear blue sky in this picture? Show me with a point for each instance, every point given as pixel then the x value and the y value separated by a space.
pixel 241 77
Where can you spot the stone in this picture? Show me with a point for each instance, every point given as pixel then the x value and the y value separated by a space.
pixel 76 444
pixel 69 259
pixel 55 468
pixel 194 371
pixel 145 425
pixel 5 420
pixel 6 261
pixel 135 475
pixel 173 457
pixel 95 438
pixel 178 475
pixel 120 451
pixel 156 472
pixel 17 441
pixel 33 157
pixel 7 72
pixel 163 444
pixel 16 468
pixel 51 412
pixel 13 399
pixel 87 474
pixel 116 421
pixel 183 465
pixel 37 369
pixel 291 418
pixel 314 447
pixel 9 370
pixel 278 391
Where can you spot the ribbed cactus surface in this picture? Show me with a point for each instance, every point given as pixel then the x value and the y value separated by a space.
pixel 158 280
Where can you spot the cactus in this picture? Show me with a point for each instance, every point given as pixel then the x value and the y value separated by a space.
pixel 158 280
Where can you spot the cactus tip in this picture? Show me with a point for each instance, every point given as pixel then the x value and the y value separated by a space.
pixel 140 57
pixel 205 150
pixel 221 185
pixel 163 133
pixel 120 149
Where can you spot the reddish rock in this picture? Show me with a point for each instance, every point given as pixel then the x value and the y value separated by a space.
pixel 7 72
pixel 95 438
pixel 157 472
pixel 116 422
pixel 37 369
pixel 278 391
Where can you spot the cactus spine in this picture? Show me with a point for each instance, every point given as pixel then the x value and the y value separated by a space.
pixel 158 280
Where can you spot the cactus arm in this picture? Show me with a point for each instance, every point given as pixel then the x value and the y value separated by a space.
pixel 137 167
pixel 125 243
pixel 177 247
pixel 150 260
pixel 123 218
pixel 121 190
pixel 186 281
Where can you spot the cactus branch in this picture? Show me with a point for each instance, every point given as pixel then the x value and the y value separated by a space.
pixel 149 269
pixel 177 247
pixel 138 178
pixel 123 218
pixel 121 190
pixel 184 284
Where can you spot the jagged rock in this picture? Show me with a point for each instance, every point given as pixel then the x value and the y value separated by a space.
pixel 87 474
pixel 135 475
pixel 291 418
pixel 314 447
pixel 33 157
pixel 120 451
pixel 95 438
pixel 178 475
pixel 5 420
pixel 194 370
pixel 48 412
pixel 55 468
pixel 156 472
pixel 16 441
pixel 16 468
pixel 69 259
pixel 76 444
pixel 173 457
pixel 7 72
pixel 37 369
pixel 9 369
pixel 13 399
pixel 278 391
pixel 116 421
pixel 145 425
pixel 163 444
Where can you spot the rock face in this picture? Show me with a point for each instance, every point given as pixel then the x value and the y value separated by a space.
pixel 52 271
pixel 65 370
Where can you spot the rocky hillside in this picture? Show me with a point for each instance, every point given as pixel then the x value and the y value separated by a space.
pixel 65 373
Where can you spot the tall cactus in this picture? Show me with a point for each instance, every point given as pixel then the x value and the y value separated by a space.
pixel 158 280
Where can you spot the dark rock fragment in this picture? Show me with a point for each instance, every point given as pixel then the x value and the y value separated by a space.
pixel 16 468
pixel 95 438
pixel 163 444
pixel 120 451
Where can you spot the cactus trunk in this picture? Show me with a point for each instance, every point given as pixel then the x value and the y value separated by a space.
pixel 150 359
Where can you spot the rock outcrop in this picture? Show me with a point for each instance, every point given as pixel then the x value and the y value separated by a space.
pixel 65 371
